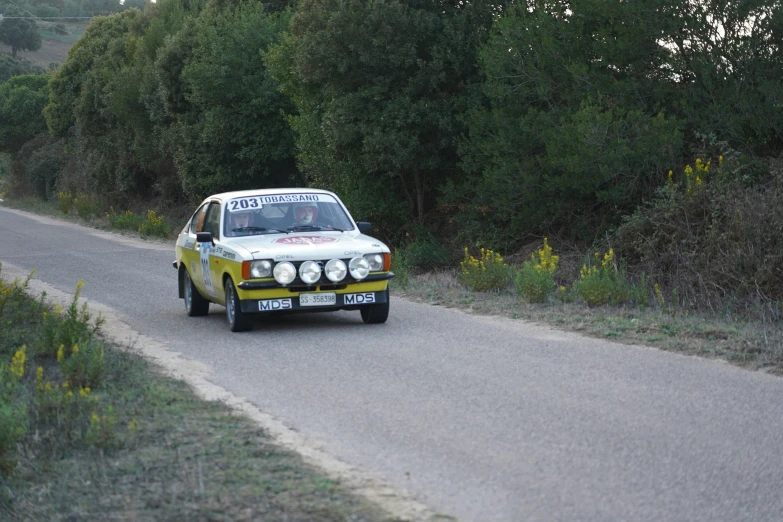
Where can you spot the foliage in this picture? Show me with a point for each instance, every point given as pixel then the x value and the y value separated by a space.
pixel 153 225
pixel 20 33
pixel 82 365
pixel 65 202
pixel 55 403
pixel 535 281
pixel 602 282
pixel 718 242
pixel 84 205
pixel 571 132
pixel 228 131
pixel 22 98
pixel 128 220
pixel 378 86
pixel 486 273
pixel 10 67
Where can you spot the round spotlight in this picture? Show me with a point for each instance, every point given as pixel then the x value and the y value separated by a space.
pixel 284 273
pixel 335 270
pixel 359 268
pixel 310 272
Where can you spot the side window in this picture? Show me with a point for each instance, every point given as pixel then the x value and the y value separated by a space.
pixel 197 223
pixel 212 220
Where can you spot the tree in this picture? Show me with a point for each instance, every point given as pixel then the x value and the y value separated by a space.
pixel 378 87
pixel 22 99
pixel 21 34
pixel 227 131
pixel 573 130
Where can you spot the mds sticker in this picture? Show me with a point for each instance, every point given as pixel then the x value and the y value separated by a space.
pixel 365 298
pixel 270 305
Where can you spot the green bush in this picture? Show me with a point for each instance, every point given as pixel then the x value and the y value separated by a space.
pixel 65 202
pixel 84 205
pixel 535 281
pixel 82 364
pixel 153 225
pixel 125 221
pixel 601 282
pixel 401 267
pixel 486 273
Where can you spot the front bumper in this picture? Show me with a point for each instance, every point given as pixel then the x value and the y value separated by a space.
pixel 349 301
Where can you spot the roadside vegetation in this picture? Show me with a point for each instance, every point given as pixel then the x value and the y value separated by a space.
pixel 91 431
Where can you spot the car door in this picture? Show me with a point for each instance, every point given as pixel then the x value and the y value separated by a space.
pixel 195 255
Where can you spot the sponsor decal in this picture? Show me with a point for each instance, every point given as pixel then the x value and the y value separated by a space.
pixel 189 244
pixel 363 298
pixel 224 253
pixel 294 198
pixel 352 253
pixel 284 256
pixel 269 305
pixel 305 240
pixel 205 274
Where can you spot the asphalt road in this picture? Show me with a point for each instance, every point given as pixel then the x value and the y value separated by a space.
pixel 485 419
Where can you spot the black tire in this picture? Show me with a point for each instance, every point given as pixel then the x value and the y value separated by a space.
pixel 376 314
pixel 237 319
pixel 195 304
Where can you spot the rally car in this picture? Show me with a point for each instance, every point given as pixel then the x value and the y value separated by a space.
pixel 275 251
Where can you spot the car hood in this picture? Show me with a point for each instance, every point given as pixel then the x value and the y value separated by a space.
pixel 302 246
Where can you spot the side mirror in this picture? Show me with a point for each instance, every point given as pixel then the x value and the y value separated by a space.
pixel 364 226
pixel 204 237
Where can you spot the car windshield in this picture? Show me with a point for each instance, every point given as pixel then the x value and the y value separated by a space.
pixel 283 214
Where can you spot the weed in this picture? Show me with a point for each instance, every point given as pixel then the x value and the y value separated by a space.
pixel 65 202
pixel 535 281
pixel 153 225
pixel 487 273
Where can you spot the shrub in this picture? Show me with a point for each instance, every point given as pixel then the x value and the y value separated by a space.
pixel 125 221
pixel 84 205
pixel 600 282
pixel 536 279
pixel 718 243
pixel 400 265
pixel 153 225
pixel 72 327
pixel 82 365
pixel 487 273
pixel 65 202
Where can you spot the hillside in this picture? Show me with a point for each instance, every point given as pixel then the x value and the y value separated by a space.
pixel 54 47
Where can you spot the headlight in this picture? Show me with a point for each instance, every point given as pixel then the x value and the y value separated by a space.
pixel 375 261
pixel 335 270
pixel 284 273
pixel 359 268
pixel 310 272
pixel 259 269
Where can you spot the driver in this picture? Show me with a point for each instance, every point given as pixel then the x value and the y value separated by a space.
pixel 241 219
pixel 305 213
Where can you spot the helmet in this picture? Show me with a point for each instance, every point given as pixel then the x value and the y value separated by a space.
pixel 305 213
pixel 240 219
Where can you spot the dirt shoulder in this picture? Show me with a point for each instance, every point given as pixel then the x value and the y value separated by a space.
pixel 751 345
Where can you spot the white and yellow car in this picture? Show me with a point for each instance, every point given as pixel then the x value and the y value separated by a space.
pixel 275 251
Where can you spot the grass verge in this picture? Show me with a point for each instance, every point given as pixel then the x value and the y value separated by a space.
pixel 135 445
pixel 753 345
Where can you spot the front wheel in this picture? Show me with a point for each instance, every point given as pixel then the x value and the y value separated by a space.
pixel 237 319
pixel 195 305
pixel 377 313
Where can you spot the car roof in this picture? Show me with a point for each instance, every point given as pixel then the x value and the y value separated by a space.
pixel 223 196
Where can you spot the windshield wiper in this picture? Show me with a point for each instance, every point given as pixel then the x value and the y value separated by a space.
pixel 314 228
pixel 259 229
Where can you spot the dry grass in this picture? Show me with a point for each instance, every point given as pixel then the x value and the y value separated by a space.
pixel 752 345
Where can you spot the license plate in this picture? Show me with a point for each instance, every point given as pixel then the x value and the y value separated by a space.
pixel 319 299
